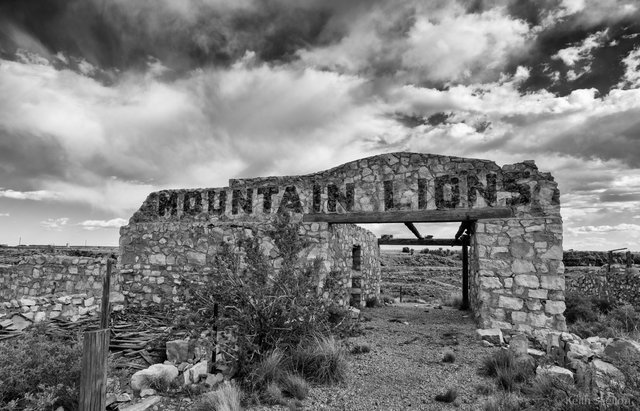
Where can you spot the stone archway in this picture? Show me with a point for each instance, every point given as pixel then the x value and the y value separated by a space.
pixel 516 279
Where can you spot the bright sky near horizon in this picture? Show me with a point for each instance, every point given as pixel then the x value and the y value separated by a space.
pixel 104 101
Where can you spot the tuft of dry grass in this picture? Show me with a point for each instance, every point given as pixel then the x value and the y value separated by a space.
pixel 507 369
pixel 226 398
pixel 448 357
pixel 269 369
pixel 272 395
pixel 321 360
pixel 361 349
pixel 453 300
pixel 504 401
pixel 294 386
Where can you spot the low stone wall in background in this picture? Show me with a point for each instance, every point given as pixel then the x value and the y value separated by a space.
pixel 42 287
pixel 621 284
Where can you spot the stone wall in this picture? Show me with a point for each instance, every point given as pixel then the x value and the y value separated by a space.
pixel 620 284
pixel 154 270
pixel 360 281
pixel 519 275
pixel 517 278
pixel 40 287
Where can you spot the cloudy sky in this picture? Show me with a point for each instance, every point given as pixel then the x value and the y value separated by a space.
pixel 103 101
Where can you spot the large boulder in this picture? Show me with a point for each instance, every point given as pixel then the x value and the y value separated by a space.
pixel 578 351
pixel 193 374
pixel 142 379
pixel 605 375
pixel 621 349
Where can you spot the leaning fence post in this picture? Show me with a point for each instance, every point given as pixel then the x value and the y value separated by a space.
pixel 95 349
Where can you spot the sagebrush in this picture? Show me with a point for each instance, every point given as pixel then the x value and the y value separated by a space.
pixel 39 372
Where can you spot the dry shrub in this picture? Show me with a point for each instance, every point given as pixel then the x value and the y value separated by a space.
pixel 449 396
pixel 39 371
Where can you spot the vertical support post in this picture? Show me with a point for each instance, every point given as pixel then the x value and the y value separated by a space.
pixel 609 261
pixel 465 274
pixel 93 381
pixel 629 259
pixel 95 349
pixel 106 290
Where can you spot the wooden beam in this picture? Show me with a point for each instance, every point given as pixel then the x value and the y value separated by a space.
pixel 420 241
pixel 413 229
pixel 424 216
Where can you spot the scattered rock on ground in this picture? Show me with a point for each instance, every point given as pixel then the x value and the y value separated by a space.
pixel 492 335
pixel 556 371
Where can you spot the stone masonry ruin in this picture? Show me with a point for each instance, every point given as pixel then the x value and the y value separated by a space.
pixel 516 273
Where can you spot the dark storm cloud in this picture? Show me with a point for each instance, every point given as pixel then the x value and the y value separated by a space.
pixel 608 137
pixel 618 195
pixel 183 35
pixel 24 159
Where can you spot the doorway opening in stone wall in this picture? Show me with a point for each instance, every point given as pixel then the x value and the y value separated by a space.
pixel 423 264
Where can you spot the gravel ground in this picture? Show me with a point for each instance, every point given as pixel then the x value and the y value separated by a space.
pixel 404 370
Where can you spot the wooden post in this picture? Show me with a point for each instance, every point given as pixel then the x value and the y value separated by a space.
pixel 95 349
pixel 629 259
pixel 465 274
pixel 93 380
pixel 106 290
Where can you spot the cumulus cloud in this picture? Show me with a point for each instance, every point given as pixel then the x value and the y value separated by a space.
pixel 131 97
pixel 631 78
pixel 54 224
pixel 607 228
pixel 38 195
pixel 92 225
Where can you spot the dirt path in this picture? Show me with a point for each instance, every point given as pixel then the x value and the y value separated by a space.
pixel 404 370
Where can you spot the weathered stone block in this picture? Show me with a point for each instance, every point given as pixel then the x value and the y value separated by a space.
pixel 510 303
pixel 554 307
pixel 490 282
pixel 540 294
pixel 527 280
pixel 522 266
pixel 552 282
pixel 519 317
pixel 158 259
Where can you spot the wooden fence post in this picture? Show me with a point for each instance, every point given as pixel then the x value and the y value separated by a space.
pixel 93 381
pixel 95 349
